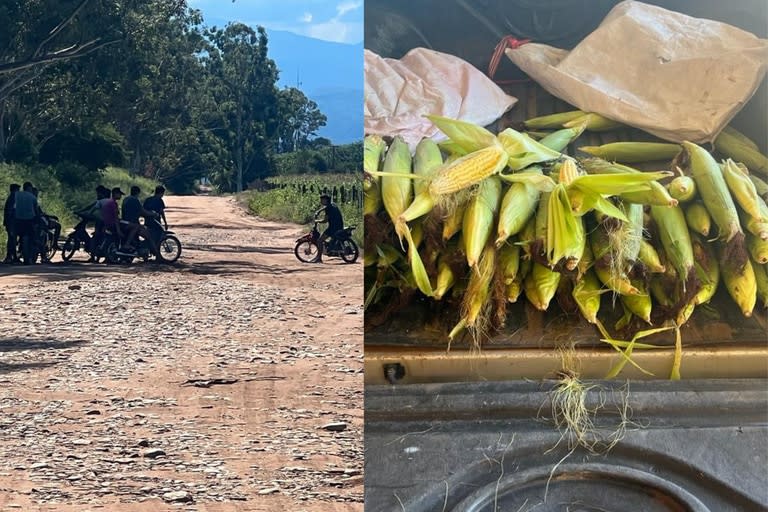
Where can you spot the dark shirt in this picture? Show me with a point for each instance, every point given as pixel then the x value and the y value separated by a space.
pixel 131 209
pixel 26 206
pixel 335 220
pixel 10 204
pixel 155 204
pixel 109 212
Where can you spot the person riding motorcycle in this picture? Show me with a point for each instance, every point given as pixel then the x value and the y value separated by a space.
pixel 132 209
pixel 332 215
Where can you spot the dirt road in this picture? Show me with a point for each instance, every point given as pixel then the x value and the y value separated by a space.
pixel 231 381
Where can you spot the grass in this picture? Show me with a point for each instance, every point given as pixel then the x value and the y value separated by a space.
pixel 291 205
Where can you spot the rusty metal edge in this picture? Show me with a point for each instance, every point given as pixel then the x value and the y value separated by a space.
pixel 419 366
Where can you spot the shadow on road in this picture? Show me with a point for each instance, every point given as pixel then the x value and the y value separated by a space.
pixel 16 344
pixel 239 248
pixel 17 367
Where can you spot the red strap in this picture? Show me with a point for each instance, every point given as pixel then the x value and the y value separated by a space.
pixel 506 42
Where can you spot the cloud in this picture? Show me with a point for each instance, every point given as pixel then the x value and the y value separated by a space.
pixel 306 18
pixel 345 7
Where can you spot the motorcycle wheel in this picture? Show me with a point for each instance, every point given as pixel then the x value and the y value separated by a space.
pixel 69 248
pixel 169 249
pixel 110 255
pixel 49 247
pixel 349 251
pixel 306 251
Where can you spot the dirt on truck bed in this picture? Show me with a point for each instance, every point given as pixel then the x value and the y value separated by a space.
pixel 230 381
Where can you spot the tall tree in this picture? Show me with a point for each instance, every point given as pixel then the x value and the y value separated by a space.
pixel 243 81
pixel 300 118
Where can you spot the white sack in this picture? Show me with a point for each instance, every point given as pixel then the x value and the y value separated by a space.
pixel 677 77
pixel 398 93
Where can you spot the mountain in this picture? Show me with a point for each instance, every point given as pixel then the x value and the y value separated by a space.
pixel 329 73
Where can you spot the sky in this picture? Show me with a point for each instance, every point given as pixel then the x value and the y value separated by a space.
pixel 340 21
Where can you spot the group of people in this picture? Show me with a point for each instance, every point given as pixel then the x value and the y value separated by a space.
pixel 23 218
pixel 105 212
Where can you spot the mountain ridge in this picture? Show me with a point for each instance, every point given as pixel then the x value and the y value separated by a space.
pixel 329 73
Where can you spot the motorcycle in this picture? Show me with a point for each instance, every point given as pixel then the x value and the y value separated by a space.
pixel 80 239
pixel 307 248
pixel 169 246
pixel 41 243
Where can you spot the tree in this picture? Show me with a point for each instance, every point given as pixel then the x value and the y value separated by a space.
pixel 243 83
pixel 300 118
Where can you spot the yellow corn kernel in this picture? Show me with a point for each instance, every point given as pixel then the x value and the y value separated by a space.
pixel 468 170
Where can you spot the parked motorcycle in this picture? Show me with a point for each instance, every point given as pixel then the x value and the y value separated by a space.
pixel 41 243
pixel 307 248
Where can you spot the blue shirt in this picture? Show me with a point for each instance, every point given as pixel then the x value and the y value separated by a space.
pixel 26 206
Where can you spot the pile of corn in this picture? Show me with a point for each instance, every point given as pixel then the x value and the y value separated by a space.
pixel 484 220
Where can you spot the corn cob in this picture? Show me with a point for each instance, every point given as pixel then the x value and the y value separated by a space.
pixel 540 286
pixel 656 195
pixel 640 304
pixel 373 150
pixel 707 270
pixel 682 188
pixel 565 232
pixel 758 249
pixel 371 194
pixel 479 218
pixel 754 225
pixel 631 232
pixel 742 189
pixel 517 208
pixel 740 137
pixel 734 147
pixel 673 233
pixel 559 140
pixel 553 120
pixel 718 201
pixel 618 283
pixel 649 257
pixel 475 304
pixel 761 280
pixel 631 152
pixel 697 218
pixel 586 293
pixel 740 283
pixel 396 192
pixel 445 279
pixel 426 160
pixel 452 222
pixel 593 122
pixel 523 150
pixel 509 261
pixel 468 170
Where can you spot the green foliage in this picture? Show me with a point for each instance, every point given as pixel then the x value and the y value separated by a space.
pixel 297 198
pixel 346 158
pixel 144 83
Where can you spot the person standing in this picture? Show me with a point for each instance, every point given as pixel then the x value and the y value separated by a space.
pixel 26 215
pixel 9 220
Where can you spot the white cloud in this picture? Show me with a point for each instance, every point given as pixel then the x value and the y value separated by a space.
pixel 306 18
pixel 345 7
pixel 336 31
